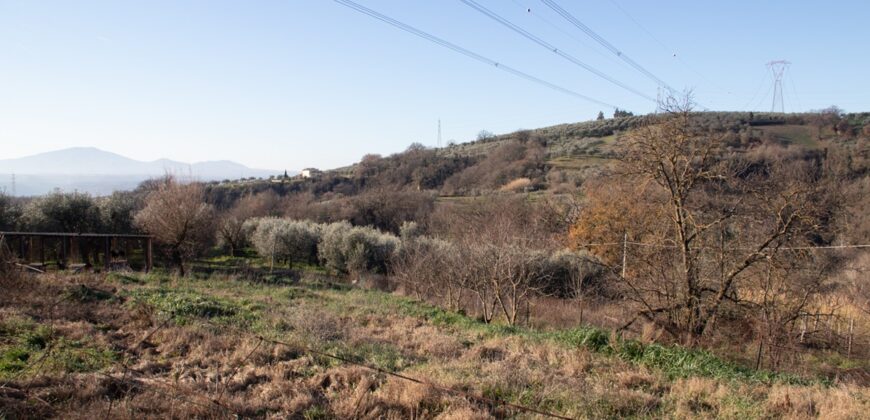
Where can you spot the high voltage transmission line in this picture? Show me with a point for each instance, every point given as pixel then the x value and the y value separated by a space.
pixel 778 68
pixel 563 31
pixel 490 14
pixel 667 48
pixel 610 47
pixel 468 53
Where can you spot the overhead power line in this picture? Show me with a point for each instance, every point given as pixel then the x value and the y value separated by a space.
pixel 610 47
pixel 667 48
pixel 606 55
pixel 468 53
pixel 794 91
pixel 757 90
pixel 492 15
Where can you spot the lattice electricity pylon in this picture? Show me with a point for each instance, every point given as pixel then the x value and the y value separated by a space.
pixel 778 68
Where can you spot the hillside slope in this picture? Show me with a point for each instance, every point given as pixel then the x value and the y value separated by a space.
pixel 146 346
pixel 557 158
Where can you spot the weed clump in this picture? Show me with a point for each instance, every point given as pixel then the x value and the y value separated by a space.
pixel 185 305
pixel 26 345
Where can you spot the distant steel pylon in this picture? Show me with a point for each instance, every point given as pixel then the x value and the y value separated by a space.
pixel 439 133
pixel 778 68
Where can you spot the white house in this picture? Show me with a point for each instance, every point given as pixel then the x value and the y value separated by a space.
pixel 311 172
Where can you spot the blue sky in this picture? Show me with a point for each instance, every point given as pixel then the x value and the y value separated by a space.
pixel 291 84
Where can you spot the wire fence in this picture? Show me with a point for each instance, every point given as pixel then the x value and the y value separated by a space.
pixel 671 246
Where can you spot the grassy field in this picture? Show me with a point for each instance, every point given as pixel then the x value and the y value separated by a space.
pixel 157 346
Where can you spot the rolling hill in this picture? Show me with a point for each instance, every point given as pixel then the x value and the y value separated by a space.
pixel 100 172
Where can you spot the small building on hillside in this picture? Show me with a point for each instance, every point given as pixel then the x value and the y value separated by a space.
pixel 311 173
pixel 280 179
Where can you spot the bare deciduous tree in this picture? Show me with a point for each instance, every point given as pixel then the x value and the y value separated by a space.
pixel 231 224
pixel 499 244
pixel 178 217
pixel 718 219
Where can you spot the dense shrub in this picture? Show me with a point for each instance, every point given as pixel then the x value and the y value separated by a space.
pixel 285 239
pixel 505 163
pixel 571 274
pixel 63 212
pixel 355 249
pixel 10 213
pixel 117 211
pixel 386 209
pixel 410 230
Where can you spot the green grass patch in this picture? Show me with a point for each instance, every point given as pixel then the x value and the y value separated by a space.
pixel 87 294
pixel 802 135
pixel 28 346
pixel 382 355
pixel 185 305
pixel 316 413
pixel 576 162
pixel 298 293
pixel 123 278
pixel 673 361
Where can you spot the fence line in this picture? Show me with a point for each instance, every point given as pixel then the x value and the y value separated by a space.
pixel 174 395
pixel 791 248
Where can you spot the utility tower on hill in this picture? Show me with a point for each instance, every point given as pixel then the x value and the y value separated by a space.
pixel 439 133
pixel 778 68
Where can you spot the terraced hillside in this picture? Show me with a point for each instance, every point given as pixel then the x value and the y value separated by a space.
pixel 559 157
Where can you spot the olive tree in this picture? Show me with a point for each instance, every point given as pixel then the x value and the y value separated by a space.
pixel 350 249
pixel 117 211
pixel 59 211
pixel 285 239
pixel 10 212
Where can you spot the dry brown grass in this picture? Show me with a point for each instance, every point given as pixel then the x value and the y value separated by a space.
pixel 698 398
pixel 410 336
pixel 181 370
pixel 516 184
pixel 839 403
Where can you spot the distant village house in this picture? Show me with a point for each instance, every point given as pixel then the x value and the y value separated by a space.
pixel 311 172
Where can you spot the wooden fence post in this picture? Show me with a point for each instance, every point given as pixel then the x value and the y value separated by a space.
pixel 624 252
pixel 42 251
pixel 107 253
pixel 851 334
pixel 63 251
pixel 148 252
pixel 803 328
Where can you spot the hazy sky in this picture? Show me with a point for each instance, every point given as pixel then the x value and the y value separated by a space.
pixel 296 83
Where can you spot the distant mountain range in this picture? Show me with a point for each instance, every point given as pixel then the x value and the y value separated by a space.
pixel 99 172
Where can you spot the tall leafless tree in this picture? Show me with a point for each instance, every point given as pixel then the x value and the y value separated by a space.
pixel 178 217
pixel 719 218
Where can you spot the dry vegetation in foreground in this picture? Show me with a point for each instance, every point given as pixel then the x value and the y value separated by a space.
pixel 155 346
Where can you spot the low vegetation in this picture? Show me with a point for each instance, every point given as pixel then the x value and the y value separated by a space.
pixel 192 346
pixel 680 264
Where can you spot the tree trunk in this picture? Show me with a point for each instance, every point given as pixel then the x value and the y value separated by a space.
pixel 178 261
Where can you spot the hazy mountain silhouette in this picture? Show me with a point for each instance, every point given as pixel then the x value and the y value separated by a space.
pixel 100 172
